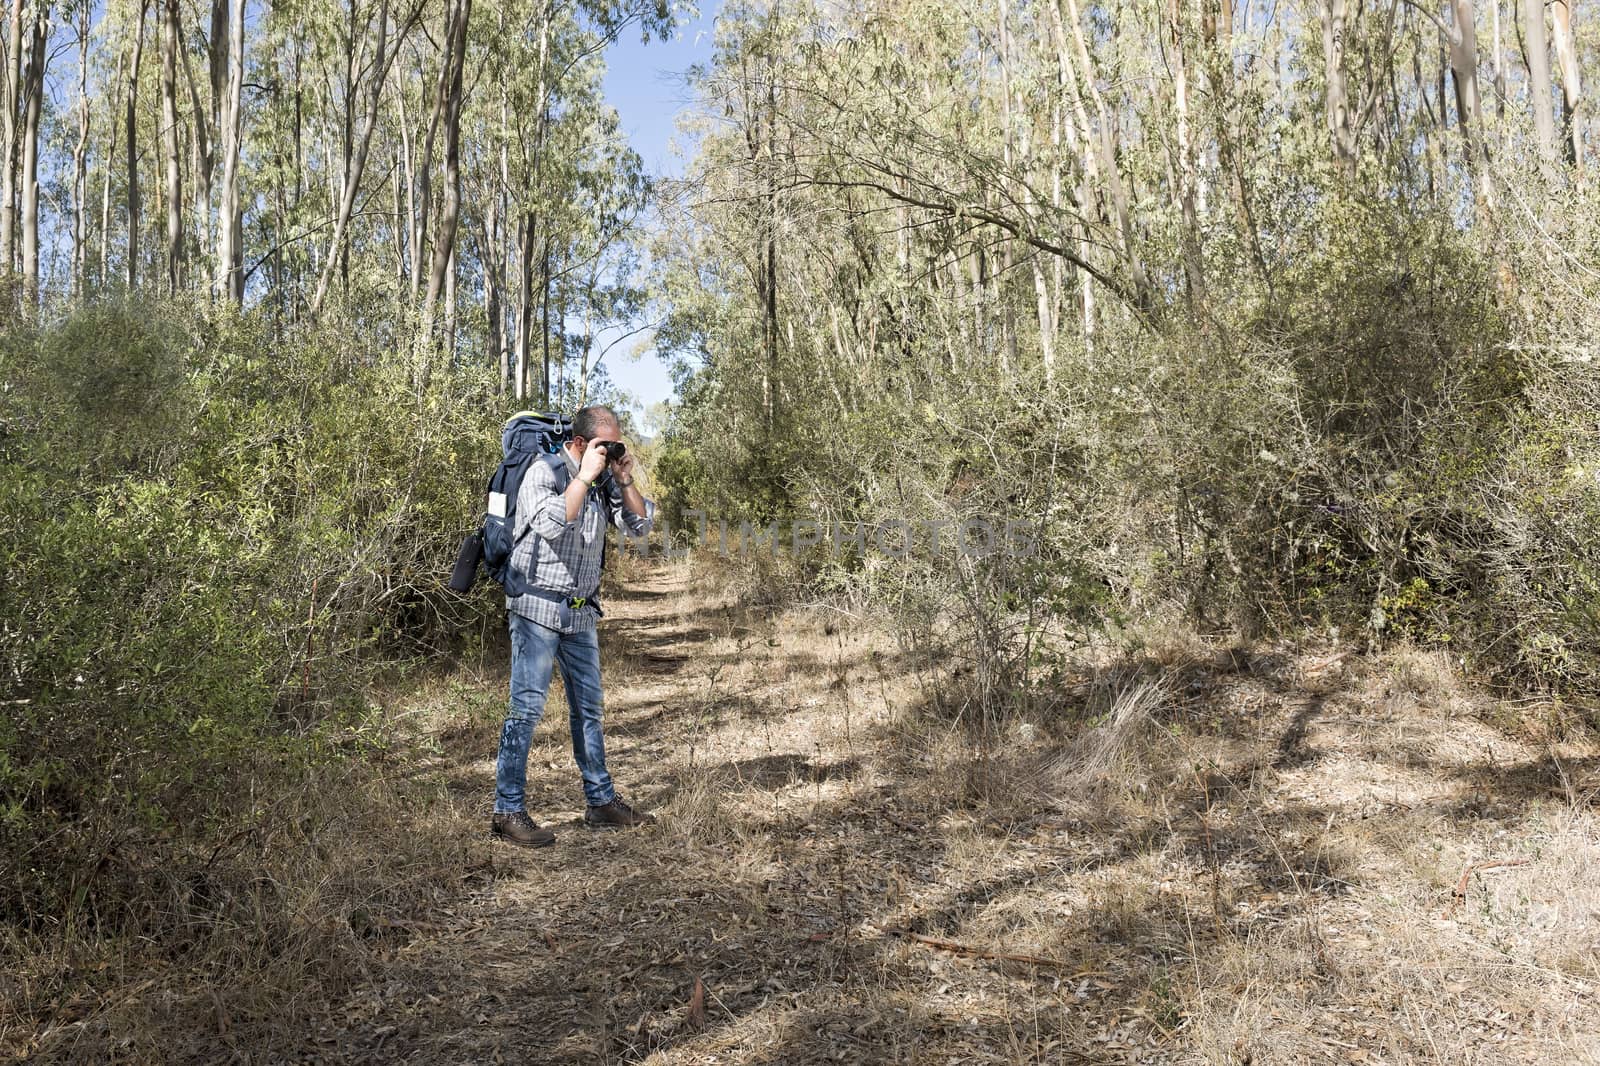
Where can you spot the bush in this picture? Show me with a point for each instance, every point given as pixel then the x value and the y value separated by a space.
pixel 212 541
pixel 1395 442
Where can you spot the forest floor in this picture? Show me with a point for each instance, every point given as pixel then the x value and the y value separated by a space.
pixel 1201 855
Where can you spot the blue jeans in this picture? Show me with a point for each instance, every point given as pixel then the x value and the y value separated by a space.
pixel 534 651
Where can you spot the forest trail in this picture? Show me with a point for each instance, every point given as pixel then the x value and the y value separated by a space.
pixel 1261 869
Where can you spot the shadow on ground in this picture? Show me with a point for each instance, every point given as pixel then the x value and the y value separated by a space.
pixel 848 890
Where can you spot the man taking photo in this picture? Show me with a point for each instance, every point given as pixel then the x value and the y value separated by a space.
pixel 562 516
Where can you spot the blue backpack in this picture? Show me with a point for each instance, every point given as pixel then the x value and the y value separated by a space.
pixel 529 437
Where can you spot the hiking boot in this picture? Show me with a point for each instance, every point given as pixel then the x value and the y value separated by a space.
pixel 616 815
pixel 520 829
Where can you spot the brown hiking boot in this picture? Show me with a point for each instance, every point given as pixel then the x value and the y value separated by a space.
pixel 520 829
pixel 616 815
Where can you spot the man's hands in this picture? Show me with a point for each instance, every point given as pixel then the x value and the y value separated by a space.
pixel 622 471
pixel 590 467
pixel 594 462
pixel 623 467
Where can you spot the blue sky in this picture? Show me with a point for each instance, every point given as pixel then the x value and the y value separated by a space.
pixel 644 82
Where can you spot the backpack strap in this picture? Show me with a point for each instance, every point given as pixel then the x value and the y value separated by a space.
pixel 558 467
pixel 557 462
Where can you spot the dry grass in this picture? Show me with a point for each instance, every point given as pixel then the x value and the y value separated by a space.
pixel 1207 855
pixel 227 949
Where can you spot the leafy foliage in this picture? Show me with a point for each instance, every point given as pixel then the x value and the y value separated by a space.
pixel 1222 355
pixel 211 545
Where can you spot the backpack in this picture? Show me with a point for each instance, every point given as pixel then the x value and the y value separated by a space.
pixel 528 437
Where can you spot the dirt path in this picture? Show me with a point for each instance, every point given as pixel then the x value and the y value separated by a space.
pixel 1248 859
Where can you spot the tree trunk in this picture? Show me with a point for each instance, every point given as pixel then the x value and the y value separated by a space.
pixel 500 242
pixel 528 233
pixel 450 212
pixel 340 253
pixel 411 187
pixel 501 237
pixel 1341 133
pixel 402 228
pixel 1048 294
pixel 1179 66
pixel 131 135
pixel 490 240
pixel 217 57
pixel 34 92
pixel 1008 321
pixel 425 164
pixel 1539 85
pixel 561 352
pixel 204 157
pixel 13 142
pixel 105 178
pixel 544 311
pixel 217 76
pixel 524 325
pixel 1571 87
pixel 450 308
pixel 299 161
pixel 1076 127
pixel 1499 66
pixel 230 213
pixel 1464 71
pixel 170 147
pixel 80 158
pixel 584 354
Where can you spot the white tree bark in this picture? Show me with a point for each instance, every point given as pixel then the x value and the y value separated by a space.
pixel 1463 44
pixel 13 141
pixel 38 55
pixel 80 155
pixel 1571 87
pixel 170 146
pixel 1539 85
pixel 1341 130
pixel 230 220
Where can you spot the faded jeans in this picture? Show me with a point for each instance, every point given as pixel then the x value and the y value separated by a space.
pixel 534 651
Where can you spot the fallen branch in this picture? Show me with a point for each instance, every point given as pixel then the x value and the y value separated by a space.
pixel 1315 668
pixel 978 953
pixel 1459 893
pixel 311 628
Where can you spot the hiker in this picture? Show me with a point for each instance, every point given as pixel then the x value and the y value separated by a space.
pixel 559 535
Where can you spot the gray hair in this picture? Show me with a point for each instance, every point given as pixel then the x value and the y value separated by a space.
pixel 586 421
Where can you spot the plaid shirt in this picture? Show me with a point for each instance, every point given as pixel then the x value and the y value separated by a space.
pixel 562 556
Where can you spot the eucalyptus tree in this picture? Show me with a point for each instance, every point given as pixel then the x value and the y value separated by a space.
pixel 391 162
pixel 33 92
pixel 10 101
pixel 976 191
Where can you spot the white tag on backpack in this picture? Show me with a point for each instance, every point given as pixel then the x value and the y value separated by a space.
pixel 497 504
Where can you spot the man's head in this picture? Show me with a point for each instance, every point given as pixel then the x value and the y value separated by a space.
pixel 595 422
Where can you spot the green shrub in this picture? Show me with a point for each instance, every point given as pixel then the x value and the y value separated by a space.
pixel 1396 440
pixel 213 540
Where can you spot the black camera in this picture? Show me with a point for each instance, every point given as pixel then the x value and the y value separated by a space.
pixel 615 449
